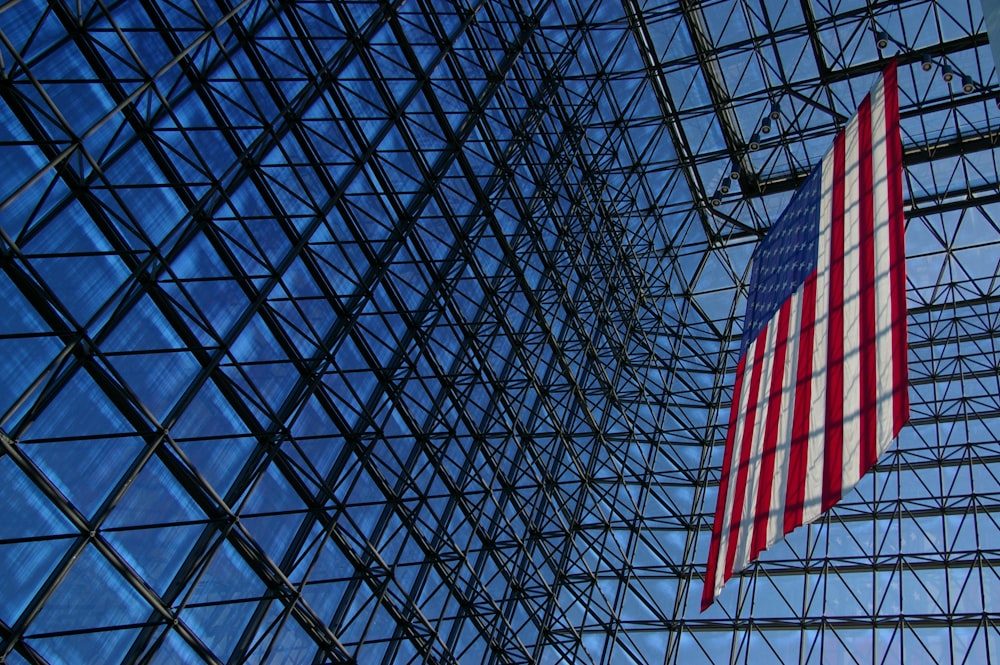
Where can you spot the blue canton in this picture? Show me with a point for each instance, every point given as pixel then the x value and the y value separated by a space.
pixel 785 258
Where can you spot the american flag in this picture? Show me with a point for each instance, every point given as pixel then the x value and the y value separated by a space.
pixel 821 388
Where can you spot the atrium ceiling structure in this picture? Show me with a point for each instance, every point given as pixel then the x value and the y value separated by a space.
pixel 405 331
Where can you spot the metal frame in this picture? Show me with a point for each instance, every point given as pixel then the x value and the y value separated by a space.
pixel 404 332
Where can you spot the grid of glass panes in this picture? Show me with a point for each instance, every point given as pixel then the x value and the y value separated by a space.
pixel 401 332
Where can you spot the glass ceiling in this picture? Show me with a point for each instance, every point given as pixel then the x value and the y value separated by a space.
pixel 405 331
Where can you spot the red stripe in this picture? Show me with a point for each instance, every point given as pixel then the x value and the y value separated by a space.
pixel 747 443
pixel 708 591
pixel 866 263
pixel 799 453
pixel 897 250
pixel 834 451
pixel 763 506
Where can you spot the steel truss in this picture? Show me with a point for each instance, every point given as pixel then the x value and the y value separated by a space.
pixel 404 331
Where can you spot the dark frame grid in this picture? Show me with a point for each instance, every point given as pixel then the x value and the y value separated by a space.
pixel 400 331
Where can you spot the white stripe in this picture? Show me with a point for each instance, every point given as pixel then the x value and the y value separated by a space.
pixel 812 498
pixel 745 533
pixel 852 310
pixel 883 284
pixel 779 486
pixel 720 568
